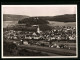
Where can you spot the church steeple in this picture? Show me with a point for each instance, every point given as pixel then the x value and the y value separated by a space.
pixel 38 30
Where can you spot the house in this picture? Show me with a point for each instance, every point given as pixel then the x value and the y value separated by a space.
pixel 72 38
pixel 25 42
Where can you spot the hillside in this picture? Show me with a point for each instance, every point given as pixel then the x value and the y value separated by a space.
pixel 10 17
pixel 60 18
pixel 64 18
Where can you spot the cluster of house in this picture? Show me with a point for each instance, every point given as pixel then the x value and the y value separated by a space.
pixel 57 33
pixel 21 35
pixel 61 33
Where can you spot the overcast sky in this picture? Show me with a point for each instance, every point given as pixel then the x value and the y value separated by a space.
pixel 39 10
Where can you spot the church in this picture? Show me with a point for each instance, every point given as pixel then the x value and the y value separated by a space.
pixel 38 29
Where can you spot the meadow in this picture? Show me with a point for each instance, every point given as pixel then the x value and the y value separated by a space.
pixel 56 23
pixel 9 23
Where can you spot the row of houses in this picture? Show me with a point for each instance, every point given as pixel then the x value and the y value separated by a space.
pixel 33 35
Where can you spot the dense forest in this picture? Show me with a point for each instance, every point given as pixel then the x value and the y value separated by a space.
pixel 33 21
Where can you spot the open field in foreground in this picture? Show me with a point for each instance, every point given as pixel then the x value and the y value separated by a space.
pixel 60 52
pixel 33 50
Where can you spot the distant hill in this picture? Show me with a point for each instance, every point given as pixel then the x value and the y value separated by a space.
pixel 11 17
pixel 60 18
pixel 64 18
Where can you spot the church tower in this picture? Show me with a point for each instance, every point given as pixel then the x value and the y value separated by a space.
pixel 38 30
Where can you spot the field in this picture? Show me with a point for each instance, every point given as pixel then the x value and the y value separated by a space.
pixel 33 50
pixel 9 23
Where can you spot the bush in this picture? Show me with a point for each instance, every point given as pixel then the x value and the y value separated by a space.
pixel 9 49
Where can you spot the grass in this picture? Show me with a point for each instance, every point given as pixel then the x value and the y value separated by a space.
pixel 64 52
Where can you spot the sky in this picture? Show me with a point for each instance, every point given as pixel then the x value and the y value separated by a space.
pixel 39 10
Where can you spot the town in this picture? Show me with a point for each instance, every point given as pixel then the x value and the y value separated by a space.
pixel 60 34
pixel 45 31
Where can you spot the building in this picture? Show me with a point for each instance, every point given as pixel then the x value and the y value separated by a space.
pixel 38 29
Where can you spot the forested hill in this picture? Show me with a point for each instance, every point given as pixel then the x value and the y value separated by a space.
pixel 60 18
pixel 33 21
pixel 64 18
pixel 43 19
pixel 11 17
